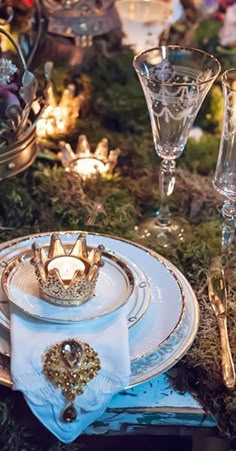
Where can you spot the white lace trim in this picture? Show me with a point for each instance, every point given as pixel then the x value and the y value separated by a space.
pixel 39 391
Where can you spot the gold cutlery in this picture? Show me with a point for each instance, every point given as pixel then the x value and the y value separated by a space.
pixel 218 297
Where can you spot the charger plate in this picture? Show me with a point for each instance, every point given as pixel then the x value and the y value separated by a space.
pixel 4 342
pixel 4 317
pixel 154 345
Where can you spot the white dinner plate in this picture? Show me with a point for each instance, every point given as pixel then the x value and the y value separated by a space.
pixel 167 308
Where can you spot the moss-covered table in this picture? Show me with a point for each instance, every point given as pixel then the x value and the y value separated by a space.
pixel 45 197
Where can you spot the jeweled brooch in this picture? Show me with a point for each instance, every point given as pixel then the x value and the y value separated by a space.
pixel 70 365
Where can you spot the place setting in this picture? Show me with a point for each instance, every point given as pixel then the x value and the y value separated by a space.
pixel 85 315
pixel 117 270
pixel 70 296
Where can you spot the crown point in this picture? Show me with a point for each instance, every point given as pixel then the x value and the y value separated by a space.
pixel 56 247
pixel 80 247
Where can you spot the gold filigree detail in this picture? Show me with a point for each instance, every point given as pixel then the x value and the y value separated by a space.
pixel 70 365
pixel 81 284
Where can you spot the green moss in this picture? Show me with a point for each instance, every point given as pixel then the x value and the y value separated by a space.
pixel 15 194
pixel 201 156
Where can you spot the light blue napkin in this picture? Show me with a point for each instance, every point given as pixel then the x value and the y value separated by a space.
pixel 30 339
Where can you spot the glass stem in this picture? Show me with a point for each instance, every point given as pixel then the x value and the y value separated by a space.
pixel 229 225
pixel 166 187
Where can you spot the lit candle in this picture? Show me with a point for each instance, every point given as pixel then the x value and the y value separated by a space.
pixel 67 266
pixel 53 121
pixel 88 166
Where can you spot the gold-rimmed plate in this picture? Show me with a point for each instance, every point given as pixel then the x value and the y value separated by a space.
pixel 114 288
pixel 137 303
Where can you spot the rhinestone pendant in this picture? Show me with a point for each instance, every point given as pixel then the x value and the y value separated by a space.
pixel 71 352
pixel 69 414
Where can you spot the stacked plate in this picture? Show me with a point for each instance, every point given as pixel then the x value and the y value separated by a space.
pixel 162 310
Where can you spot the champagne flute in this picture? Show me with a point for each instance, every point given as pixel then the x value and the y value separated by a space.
pixel 225 174
pixel 175 81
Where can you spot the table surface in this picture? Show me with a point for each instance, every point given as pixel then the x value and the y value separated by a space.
pixel 149 405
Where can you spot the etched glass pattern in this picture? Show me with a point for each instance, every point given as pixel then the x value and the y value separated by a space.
pixel 175 81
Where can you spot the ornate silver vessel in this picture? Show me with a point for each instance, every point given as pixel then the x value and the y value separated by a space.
pixel 19 110
pixel 81 19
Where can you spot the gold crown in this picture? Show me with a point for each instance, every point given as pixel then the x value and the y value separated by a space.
pixel 85 162
pixel 67 279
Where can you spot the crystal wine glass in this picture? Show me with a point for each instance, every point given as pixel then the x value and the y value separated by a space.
pixel 175 81
pixel 225 174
